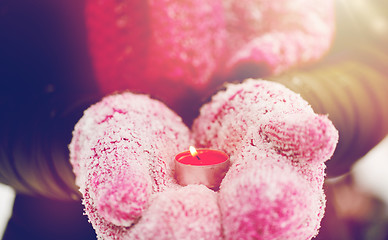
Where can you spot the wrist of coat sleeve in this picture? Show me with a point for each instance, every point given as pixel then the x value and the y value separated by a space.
pixel 34 157
pixel 352 90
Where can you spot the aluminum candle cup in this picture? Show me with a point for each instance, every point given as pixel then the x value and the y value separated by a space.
pixel 204 166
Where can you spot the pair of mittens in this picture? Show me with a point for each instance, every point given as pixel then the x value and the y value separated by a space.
pixel 123 151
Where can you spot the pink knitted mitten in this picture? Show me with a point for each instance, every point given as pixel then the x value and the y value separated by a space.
pixel 123 149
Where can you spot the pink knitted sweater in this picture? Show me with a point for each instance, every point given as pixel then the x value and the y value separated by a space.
pixel 171 49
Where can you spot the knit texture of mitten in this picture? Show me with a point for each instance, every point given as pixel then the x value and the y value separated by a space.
pixel 123 150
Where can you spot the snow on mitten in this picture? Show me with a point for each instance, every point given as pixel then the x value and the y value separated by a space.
pixel 278 146
pixel 123 149
pixel 122 153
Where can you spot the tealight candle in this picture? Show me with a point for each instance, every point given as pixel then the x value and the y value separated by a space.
pixel 202 166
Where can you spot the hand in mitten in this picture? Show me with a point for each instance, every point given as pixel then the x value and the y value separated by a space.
pixel 123 150
pixel 120 151
pixel 278 146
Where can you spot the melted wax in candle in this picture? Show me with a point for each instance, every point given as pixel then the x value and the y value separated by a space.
pixel 206 158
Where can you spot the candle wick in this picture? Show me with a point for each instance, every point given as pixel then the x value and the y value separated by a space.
pixel 197 157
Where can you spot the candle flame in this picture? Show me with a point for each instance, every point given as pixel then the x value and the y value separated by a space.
pixel 193 152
